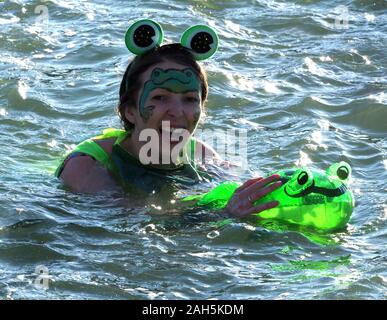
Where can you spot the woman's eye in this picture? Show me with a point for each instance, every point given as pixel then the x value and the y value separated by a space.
pixel 192 99
pixel 159 98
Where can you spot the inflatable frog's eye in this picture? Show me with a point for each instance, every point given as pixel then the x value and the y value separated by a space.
pixel 202 40
pixel 143 35
pixel 301 180
pixel 341 170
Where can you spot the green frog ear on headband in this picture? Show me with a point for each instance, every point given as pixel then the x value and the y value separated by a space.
pixel 143 35
pixel 202 40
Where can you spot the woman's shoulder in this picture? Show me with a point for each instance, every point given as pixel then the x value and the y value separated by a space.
pixel 204 152
pixel 84 174
pixel 207 155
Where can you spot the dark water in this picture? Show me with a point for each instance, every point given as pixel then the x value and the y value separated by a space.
pixel 306 79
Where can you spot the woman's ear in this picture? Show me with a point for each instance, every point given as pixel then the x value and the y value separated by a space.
pixel 130 114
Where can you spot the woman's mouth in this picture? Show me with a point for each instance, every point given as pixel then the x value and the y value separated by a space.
pixel 173 133
pixel 178 131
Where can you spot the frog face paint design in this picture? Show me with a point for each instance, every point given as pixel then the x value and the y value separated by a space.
pixel 147 113
pixel 176 81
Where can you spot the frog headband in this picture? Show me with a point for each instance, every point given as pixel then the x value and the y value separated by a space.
pixel 145 34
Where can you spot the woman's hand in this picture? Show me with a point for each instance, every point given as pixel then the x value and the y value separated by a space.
pixel 241 203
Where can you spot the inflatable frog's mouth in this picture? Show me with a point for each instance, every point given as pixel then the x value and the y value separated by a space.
pixel 315 189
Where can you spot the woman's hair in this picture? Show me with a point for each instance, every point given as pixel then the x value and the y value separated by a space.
pixel 131 82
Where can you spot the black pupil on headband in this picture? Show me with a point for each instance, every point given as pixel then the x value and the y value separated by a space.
pixel 201 41
pixel 143 36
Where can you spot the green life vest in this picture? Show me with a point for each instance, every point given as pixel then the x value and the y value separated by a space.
pixel 93 149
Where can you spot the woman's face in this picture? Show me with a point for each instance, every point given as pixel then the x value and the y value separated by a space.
pixel 169 102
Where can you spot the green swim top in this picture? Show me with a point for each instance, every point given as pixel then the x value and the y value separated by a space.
pixel 129 171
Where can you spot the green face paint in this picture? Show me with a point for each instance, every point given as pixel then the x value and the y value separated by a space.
pixel 176 81
pixel 147 113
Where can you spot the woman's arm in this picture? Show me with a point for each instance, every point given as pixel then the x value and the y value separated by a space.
pixel 241 203
pixel 84 174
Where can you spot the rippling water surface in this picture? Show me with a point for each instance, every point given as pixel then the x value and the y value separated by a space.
pixel 307 79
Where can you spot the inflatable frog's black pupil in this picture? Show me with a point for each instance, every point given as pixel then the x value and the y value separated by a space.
pixel 143 36
pixel 302 178
pixel 201 42
pixel 342 173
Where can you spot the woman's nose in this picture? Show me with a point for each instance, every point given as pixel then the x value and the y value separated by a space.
pixel 176 108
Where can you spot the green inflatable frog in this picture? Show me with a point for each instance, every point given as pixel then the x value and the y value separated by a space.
pixel 312 198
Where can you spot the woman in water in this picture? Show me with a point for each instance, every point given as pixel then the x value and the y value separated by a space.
pixel 162 97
